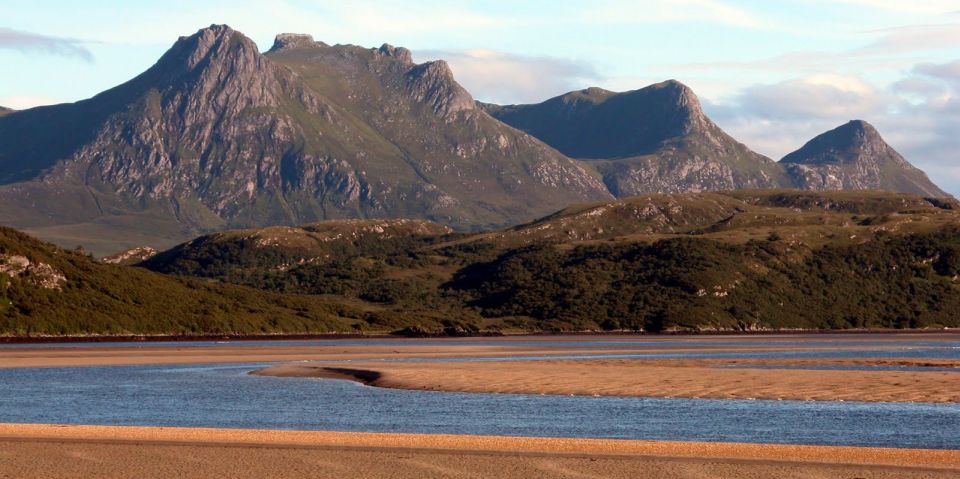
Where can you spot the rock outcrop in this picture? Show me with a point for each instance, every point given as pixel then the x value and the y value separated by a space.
pixel 36 273
pixel 131 256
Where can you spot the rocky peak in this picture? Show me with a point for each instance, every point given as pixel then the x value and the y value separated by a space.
pixel 399 53
pixel 855 156
pixel 432 83
pixel 599 124
pixel 216 43
pixel 4 110
pixel 682 104
pixel 852 142
pixel 215 70
pixel 294 40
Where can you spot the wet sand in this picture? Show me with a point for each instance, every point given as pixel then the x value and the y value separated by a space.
pixel 40 451
pixel 655 378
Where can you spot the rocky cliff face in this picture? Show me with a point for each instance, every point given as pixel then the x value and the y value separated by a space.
pixel 854 156
pixel 656 139
pixel 217 134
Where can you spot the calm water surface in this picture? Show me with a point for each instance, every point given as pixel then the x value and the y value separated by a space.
pixel 226 396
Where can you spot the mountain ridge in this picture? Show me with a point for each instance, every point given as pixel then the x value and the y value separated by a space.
pixel 658 139
pixel 218 135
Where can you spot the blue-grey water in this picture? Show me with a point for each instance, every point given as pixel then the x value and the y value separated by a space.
pixel 226 396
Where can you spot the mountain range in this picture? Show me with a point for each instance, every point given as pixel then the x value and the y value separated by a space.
pixel 218 135
pixel 658 139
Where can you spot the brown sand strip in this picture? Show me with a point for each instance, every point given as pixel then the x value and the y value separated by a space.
pixel 913 458
pixel 80 460
pixel 644 378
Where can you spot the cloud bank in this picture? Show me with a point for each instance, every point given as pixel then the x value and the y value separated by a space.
pixel 32 42
pixel 918 115
pixel 506 78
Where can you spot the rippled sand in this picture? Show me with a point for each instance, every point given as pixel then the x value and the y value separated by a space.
pixel 656 378
pixel 38 451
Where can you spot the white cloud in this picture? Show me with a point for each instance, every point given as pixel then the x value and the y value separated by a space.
pixel 912 38
pixel 34 42
pixel 660 11
pixel 813 97
pixel 918 115
pixel 885 50
pixel 916 7
pixel 500 77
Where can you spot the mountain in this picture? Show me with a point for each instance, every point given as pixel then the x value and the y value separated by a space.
pixel 855 156
pixel 217 135
pixel 655 139
pixel 5 110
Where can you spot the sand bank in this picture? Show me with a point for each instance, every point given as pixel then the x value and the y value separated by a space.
pixel 653 378
pixel 43 451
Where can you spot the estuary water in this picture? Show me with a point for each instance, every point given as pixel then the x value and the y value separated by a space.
pixel 227 396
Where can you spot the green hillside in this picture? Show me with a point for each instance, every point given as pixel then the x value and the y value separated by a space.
pixel 659 262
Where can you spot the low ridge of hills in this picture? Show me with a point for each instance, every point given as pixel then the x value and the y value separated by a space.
pixel 217 135
pixel 717 261
pixel 46 290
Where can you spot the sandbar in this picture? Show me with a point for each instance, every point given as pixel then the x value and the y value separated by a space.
pixel 54 451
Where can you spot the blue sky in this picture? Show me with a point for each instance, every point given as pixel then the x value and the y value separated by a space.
pixel 772 73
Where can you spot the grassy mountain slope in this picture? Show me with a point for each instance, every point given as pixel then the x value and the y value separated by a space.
pixel 48 290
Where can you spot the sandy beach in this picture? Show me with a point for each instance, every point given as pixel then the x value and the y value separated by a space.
pixel 47 451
